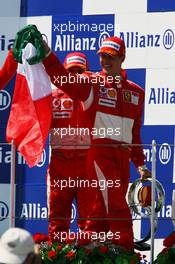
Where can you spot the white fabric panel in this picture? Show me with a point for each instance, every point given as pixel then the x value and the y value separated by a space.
pixel 37 78
pixel 159 97
pixel 100 177
pixel 104 120
pixel 109 7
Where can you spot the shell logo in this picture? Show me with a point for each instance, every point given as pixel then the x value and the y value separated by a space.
pixel 67 104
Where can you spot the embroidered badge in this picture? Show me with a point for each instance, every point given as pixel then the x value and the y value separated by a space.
pixel 112 94
pixel 135 98
pixel 103 91
pixel 56 103
pixel 66 104
pixel 127 96
pixel 107 102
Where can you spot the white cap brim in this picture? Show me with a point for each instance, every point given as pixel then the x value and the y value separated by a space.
pixel 10 258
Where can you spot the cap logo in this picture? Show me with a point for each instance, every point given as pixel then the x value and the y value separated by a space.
pixel 111 44
pixel 74 59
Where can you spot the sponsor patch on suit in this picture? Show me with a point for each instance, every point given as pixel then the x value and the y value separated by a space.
pixel 66 104
pixel 107 102
pixel 131 97
pixel 127 96
pixel 135 98
pixel 109 93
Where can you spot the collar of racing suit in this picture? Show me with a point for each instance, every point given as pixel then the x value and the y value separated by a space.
pixel 123 74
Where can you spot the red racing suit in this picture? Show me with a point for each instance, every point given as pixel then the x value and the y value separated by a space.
pixel 8 70
pixel 116 108
pixel 67 167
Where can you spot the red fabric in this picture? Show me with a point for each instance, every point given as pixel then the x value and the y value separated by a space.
pixel 110 50
pixel 170 240
pixel 114 166
pixel 39 238
pixel 124 109
pixel 8 70
pixel 29 122
pixel 55 69
pixel 69 163
pixel 74 110
pixel 71 60
pixel 113 163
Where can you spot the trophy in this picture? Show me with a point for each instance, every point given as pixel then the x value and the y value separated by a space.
pixel 139 199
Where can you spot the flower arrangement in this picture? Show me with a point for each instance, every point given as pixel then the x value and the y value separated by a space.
pixel 71 253
pixel 85 251
pixel 167 256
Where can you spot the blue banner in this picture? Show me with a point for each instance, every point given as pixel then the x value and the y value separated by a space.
pixel 81 34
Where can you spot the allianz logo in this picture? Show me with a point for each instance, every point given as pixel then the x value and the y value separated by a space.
pixel 135 39
pixel 6 158
pixel 164 153
pixel 6 43
pixel 70 42
pixel 36 211
pixel 161 95
pixel 33 211
pixel 5 100
pixel 4 211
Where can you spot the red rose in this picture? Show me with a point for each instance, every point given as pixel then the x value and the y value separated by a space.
pixel 38 238
pixel 44 238
pixel 70 255
pixel 52 254
pixel 49 243
pixel 59 247
pixel 103 250
pixel 170 240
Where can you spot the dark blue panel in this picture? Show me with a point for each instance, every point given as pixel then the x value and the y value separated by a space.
pixel 5 158
pixel 31 208
pixel 81 34
pixel 137 76
pixel 160 6
pixel 164 170
pixel 50 7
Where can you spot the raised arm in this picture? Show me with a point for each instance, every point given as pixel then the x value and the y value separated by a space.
pixel 77 86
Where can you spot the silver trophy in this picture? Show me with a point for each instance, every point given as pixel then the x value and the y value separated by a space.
pixel 139 199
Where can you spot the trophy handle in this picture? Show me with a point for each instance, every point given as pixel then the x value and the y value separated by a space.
pixel 133 204
pixel 140 244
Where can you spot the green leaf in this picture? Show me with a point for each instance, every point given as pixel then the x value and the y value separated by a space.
pixel 81 253
pixel 120 260
pixel 107 261
pixel 163 259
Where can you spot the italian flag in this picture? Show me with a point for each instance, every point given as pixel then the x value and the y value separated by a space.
pixel 31 111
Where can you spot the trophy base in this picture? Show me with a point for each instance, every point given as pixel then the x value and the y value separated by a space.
pixel 142 246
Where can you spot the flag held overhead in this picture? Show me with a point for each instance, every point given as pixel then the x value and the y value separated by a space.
pixel 31 110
